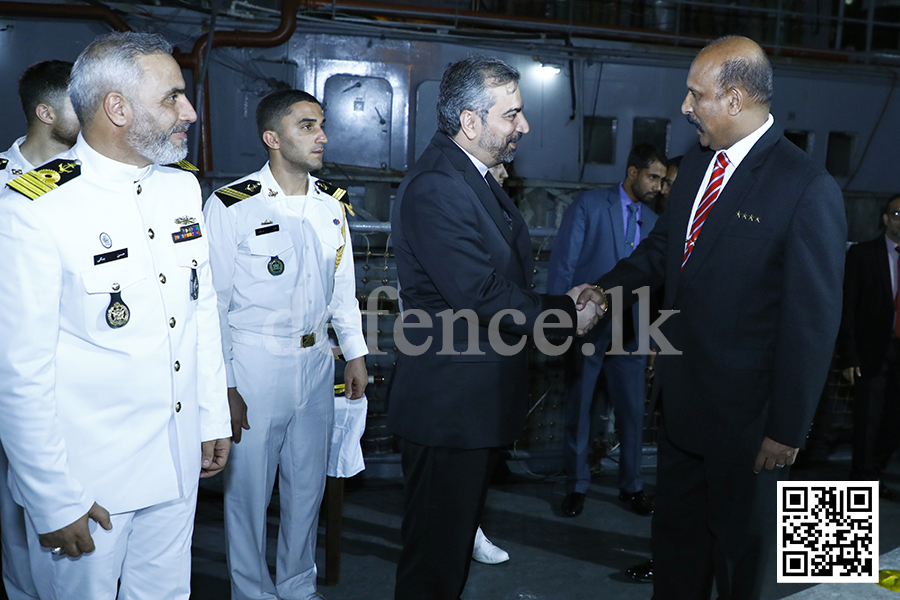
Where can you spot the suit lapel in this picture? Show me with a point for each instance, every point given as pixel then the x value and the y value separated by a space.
pixel 478 184
pixel 728 203
pixel 615 220
pixel 519 228
pixel 885 270
pixel 681 201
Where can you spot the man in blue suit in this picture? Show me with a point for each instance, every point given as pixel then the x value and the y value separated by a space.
pixel 601 227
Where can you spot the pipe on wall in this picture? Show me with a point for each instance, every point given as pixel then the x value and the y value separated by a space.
pixel 97 12
pixel 237 39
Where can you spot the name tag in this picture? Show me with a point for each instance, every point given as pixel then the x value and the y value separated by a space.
pixel 265 230
pixel 99 259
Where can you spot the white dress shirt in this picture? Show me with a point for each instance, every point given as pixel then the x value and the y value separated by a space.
pixel 93 412
pixel 736 154
pixel 314 288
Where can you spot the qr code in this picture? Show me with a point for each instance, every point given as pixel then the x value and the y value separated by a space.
pixel 827 531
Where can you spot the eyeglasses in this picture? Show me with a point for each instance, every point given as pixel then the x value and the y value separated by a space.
pixel 894 216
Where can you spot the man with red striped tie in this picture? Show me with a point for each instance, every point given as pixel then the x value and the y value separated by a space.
pixel 751 251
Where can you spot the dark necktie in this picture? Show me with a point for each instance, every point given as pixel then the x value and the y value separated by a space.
pixel 630 229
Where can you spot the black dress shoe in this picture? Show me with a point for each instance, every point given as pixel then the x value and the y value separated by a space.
pixel 638 502
pixel 642 572
pixel 572 504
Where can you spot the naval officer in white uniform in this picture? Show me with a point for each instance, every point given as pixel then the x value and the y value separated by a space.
pixel 283 269
pixel 52 129
pixel 110 359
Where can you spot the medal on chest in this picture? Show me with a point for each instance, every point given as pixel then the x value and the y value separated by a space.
pixel 275 266
pixel 117 313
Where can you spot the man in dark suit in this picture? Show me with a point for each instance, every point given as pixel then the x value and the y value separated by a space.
pixel 460 389
pixel 869 346
pixel 751 251
pixel 601 227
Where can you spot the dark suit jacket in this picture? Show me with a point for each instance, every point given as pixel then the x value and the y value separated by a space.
pixel 868 316
pixel 456 250
pixel 760 300
pixel 588 245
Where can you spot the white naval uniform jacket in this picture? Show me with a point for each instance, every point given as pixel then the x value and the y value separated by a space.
pixel 91 412
pixel 12 163
pixel 305 233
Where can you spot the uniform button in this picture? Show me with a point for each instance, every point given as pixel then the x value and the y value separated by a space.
pixel 150 233
pixel 177 366
pixel 162 278
pixel 139 190
pixel 193 263
pixel 308 275
pixel 115 287
pixel 172 322
pixel 178 407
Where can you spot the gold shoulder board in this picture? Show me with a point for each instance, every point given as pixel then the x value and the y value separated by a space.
pixel 46 178
pixel 184 166
pixel 239 191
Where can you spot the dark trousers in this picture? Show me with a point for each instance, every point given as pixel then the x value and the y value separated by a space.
pixel 876 411
pixel 712 521
pixel 445 491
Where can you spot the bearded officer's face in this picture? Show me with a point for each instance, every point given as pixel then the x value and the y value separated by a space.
pixel 161 113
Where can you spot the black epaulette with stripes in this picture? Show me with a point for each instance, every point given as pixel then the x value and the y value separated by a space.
pixel 46 178
pixel 239 191
pixel 339 194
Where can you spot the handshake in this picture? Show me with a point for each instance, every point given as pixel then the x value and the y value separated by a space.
pixel 590 302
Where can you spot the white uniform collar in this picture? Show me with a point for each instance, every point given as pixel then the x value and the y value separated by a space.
pixel 14 155
pixel 269 183
pixel 106 168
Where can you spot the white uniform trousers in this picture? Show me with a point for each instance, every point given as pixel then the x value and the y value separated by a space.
pixel 289 393
pixel 17 577
pixel 148 550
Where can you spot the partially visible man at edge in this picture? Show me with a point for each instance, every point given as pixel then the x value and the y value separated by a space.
pixel 114 397
pixel 52 128
pixel 751 251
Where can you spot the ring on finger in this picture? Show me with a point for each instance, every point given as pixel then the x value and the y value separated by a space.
pixel 779 466
pixel 56 551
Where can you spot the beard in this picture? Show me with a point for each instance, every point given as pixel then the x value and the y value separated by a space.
pixel 65 133
pixel 146 139
pixel 498 147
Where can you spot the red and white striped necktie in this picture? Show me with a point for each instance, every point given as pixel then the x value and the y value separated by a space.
pixel 709 198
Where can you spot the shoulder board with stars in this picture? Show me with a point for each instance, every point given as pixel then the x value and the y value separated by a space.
pixel 337 193
pixel 184 166
pixel 239 191
pixel 46 178
pixel 3 163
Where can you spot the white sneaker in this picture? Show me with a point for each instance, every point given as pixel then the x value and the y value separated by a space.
pixel 486 552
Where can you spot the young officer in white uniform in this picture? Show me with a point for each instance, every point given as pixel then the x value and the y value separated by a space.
pixel 52 128
pixel 283 269
pixel 110 358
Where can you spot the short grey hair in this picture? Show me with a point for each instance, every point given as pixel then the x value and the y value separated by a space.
pixel 110 64
pixel 465 87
